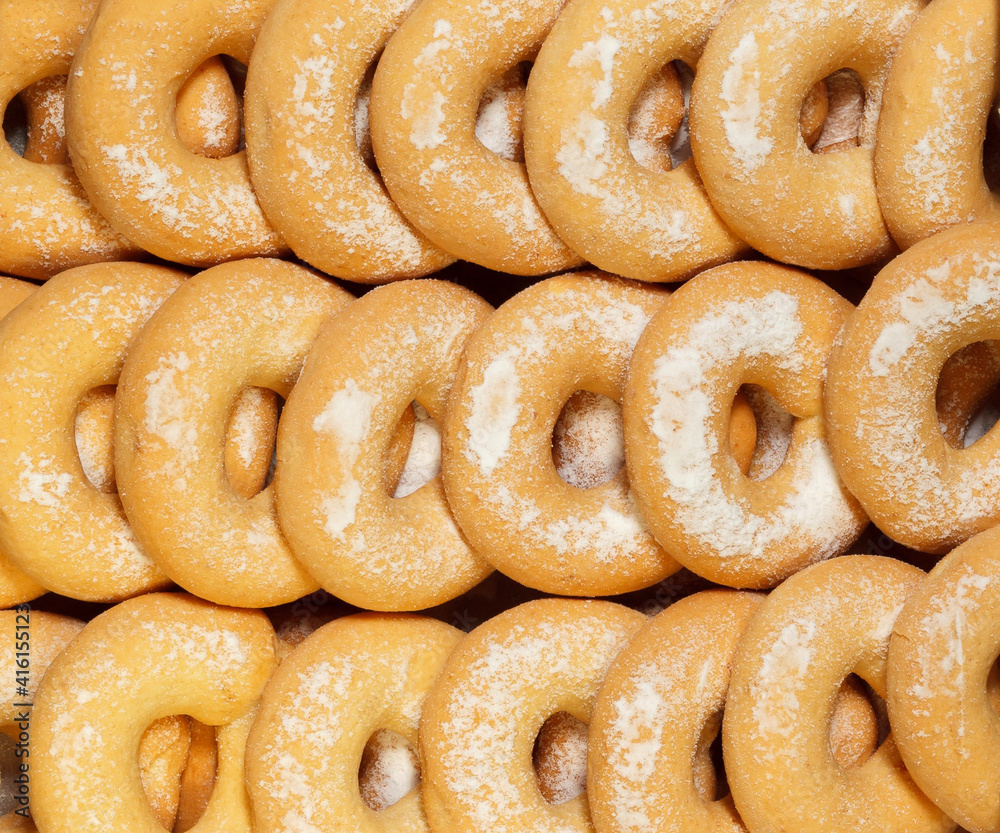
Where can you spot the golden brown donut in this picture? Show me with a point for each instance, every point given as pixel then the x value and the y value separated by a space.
pixel 302 121
pixel 739 323
pixel 567 333
pixel 883 424
pixel 243 324
pixel 938 98
pixel 425 98
pixel 47 222
pixel 120 105
pixel 822 624
pixel 813 210
pixel 501 684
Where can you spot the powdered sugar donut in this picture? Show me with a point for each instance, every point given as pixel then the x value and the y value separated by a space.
pixel 349 679
pixel 425 97
pixel 559 336
pixel 817 211
pixel 397 344
pixel 943 651
pixel 120 104
pixel 502 682
pixel 163 654
pixel 46 220
pixel 601 200
pixel 819 626
pixel 929 155
pixel 303 83
pixel 739 323
pixel 934 299
pixel 238 325
pixel 67 338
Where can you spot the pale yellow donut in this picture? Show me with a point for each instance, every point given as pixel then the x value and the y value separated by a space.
pixel 822 624
pixel 936 298
pixel 349 679
pixel 739 323
pixel 599 197
pixel 554 338
pixel 425 97
pixel 943 650
pixel 302 122
pixel 47 222
pixel 120 106
pixel 238 325
pixel 67 338
pixel 817 211
pixel 396 345
pixel 142 660
pixel 929 154
pixel 497 689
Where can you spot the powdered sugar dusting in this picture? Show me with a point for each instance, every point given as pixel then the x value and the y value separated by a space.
pixel 742 118
pixel 494 413
pixel 782 677
pixel 423 463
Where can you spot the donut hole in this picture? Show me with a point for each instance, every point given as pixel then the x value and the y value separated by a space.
pixel 95 438
pixel 859 723
pixel 389 770
pixel 208 114
pixel 251 441
pixel 423 460
pixel 993 687
pixel 9 771
pixel 362 133
pixel 968 393
pixel 708 767
pixel 499 118
pixel 560 758
pixel 845 113
pixel 15 125
pixel 991 149
pixel 773 435
pixel 658 136
pixel 588 441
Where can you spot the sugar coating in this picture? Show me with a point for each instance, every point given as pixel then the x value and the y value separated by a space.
pixel 782 677
pixel 742 117
pixel 423 463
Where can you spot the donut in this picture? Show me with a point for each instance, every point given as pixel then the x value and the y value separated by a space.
pixel 120 104
pixel 660 709
pixel 357 675
pixel 610 209
pixel 813 210
pixel 567 333
pixel 47 223
pixel 883 424
pixel 938 98
pixel 48 507
pixel 398 344
pixel 502 682
pixel 164 654
pixel 425 98
pixel 822 624
pixel 943 650
pixel 739 323
pixel 308 170
pixel 238 325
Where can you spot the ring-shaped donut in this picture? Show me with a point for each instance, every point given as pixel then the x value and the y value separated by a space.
pixel 243 324
pixel 567 333
pixel 502 682
pixel 120 104
pixel 396 345
pixel 814 210
pixel 822 624
pixel 47 222
pixel 160 655
pixel 929 153
pixel 607 206
pixel 425 97
pixel 936 298
pixel 351 678
pixel 738 323
pixel 67 338
pixel 943 648
pixel 303 82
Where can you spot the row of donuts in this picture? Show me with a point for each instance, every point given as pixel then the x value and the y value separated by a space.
pixel 632 706
pixel 757 439
pixel 385 142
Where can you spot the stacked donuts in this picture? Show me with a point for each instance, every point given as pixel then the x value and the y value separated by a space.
pixel 189 402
